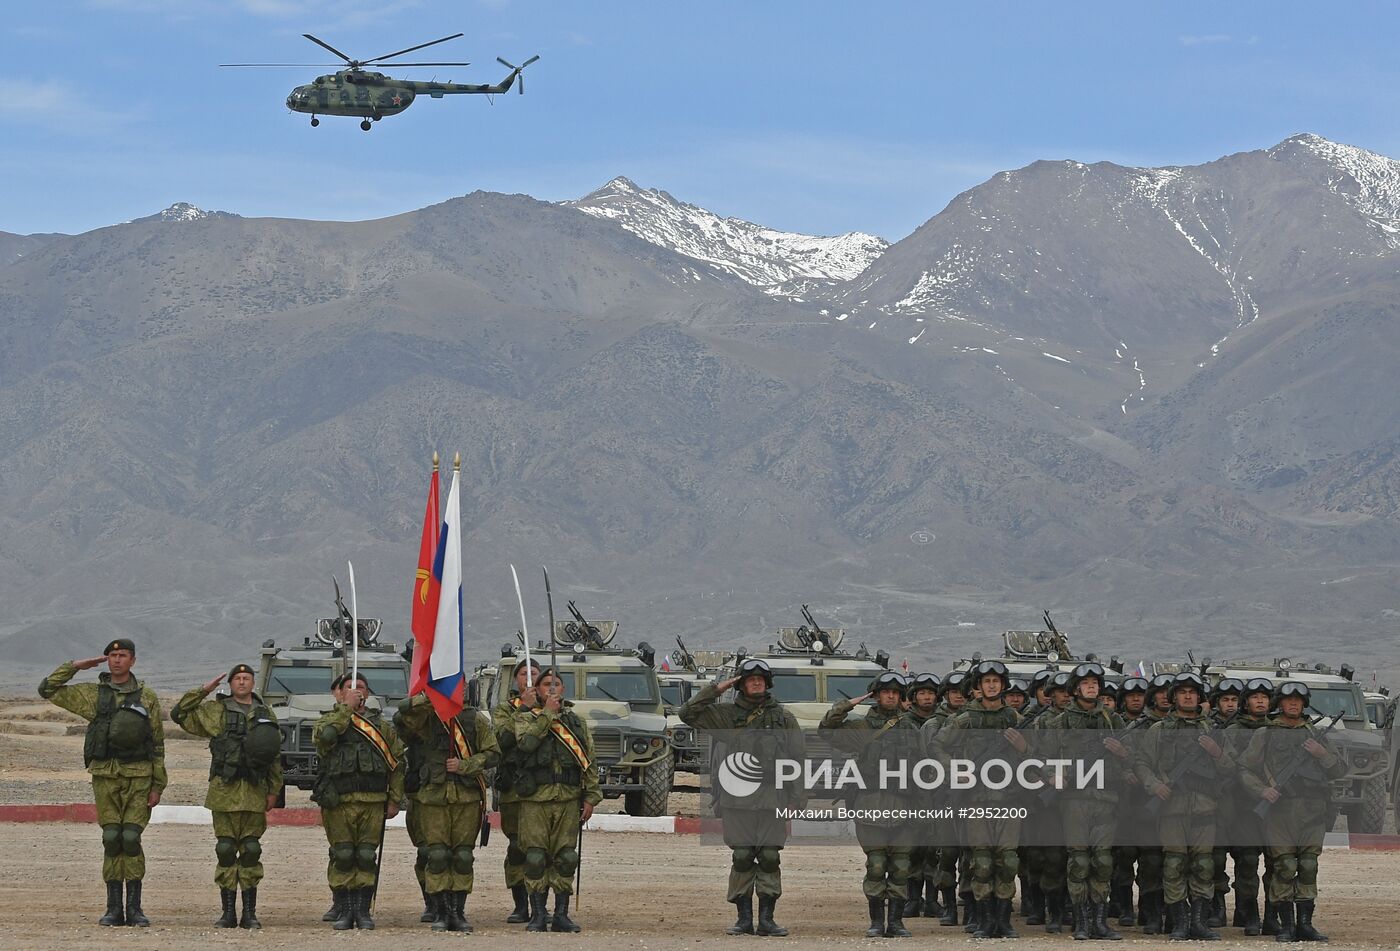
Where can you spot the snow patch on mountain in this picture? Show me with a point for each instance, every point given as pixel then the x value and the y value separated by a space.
pixel 1369 182
pixel 183 211
pixel 779 260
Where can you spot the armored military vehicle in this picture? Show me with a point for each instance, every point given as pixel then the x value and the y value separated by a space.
pixel 295 682
pixel 1361 795
pixel 617 691
pixel 682 675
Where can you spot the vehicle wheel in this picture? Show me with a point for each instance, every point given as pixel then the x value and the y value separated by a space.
pixel 652 800
pixel 365 124
pixel 1369 816
pixel 315 122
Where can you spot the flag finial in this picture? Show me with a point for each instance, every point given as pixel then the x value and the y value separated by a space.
pixel 435 460
pixel 456 462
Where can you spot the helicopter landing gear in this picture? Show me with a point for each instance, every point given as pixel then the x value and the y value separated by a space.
pixel 315 122
pixel 365 124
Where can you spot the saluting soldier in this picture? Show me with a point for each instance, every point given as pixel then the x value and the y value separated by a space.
pixel 360 787
pixel 1186 824
pixel 882 734
pixel 923 858
pixel 1290 764
pixel 1247 843
pixel 454 756
pixel 507 799
pixel 752 831
pixel 245 781
pixel 1090 816
pixel 986 728
pixel 124 751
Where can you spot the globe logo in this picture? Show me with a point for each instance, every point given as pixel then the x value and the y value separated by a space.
pixel 740 774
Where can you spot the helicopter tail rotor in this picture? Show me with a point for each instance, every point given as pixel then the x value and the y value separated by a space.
pixel 517 71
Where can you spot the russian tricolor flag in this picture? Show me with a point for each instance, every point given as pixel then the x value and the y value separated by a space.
pixel 446 682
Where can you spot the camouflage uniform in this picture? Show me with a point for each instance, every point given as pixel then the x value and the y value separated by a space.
pixel 413 815
pixel 358 781
pixel 507 799
pixel 451 804
pixel 1246 842
pixel 239 785
pixel 122 778
pixel 1151 910
pixel 1050 858
pixel 923 858
pixel 945 876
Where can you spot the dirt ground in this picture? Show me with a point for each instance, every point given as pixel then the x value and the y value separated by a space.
pixel 640 891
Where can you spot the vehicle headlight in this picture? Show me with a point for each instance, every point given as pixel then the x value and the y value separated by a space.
pixel 680 736
pixel 640 745
pixel 1361 759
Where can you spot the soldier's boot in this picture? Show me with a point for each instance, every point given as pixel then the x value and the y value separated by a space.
pixel 1217 910
pixel 441 906
pixel 1152 905
pixel 1114 909
pixel 1270 922
pixel 458 919
pixel 985 924
pixel 1035 905
pixel 134 915
pixel 894 928
pixel 1053 912
pixel 363 920
pixel 521 912
pixel 1102 929
pixel 932 909
pixel 1181 921
pixel 429 905
pixel 1200 920
pixel 344 901
pixel 115 914
pixel 969 915
pixel 1003 911
pixel 561 920
pixel 766 924
pixel 334 912
pixel 1285 933
pixel 1304 928
pixel 876 907
pixel 1126 918
pixel 1237 919
pixel 1082 921
pixel 743 924
pixel 250 910
pixel 914 904
pixel 1249 908
pixel 228 898
pixel 539 912
pixel 950 907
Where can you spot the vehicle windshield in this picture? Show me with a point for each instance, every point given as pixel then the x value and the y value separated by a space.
pixel 1330 701
pixel 290 681
pixel 623 686
pixel 673 695
pixel 846 686
pixel 794 688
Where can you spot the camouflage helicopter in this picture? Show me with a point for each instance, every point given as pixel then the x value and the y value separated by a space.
pixel 355 91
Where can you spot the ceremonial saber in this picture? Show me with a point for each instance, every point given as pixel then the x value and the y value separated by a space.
pixel 524 629
pixel 354 629
pixel 549 597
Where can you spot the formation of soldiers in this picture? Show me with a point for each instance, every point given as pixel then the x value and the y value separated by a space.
pixel 1245 751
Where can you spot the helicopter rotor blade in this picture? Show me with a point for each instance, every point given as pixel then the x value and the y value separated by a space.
pixel 412 48
pixel 504 63
pixel 398 65
pixel 324 45
pixel 287 65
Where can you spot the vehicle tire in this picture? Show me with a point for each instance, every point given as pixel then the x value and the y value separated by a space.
pixel 652 800
pixel 1368 818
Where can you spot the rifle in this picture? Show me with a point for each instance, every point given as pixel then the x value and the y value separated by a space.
pixel 1183 766
pixel 1291 768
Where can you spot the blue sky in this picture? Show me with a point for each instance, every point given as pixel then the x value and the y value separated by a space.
pixel 810 116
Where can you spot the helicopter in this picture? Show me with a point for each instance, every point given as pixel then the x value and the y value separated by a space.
pixel 355 91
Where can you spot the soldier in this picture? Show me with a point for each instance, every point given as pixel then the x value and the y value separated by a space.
pixel 752 831
pixel 360 787
pixel 1033 856
pixel 337 908
pixel 949 853
pixel 984 730
pixel 923 858
pixel 507 799
pixel 1053 857
pixel 1132 696
pixel 124 751
pixel 1109 697
pixel 413 816
pixel 1248 842
pixel 1289 746
pixel 1186 823
pixel 1152 908
pixel 1017 695
pixel 454 756
pixel 1089 815
pixel 245 781
pixel 879 735
pixel 1225 704
pixel 557 781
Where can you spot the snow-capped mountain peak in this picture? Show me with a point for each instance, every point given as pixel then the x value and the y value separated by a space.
pixel 183 211
pixel 761 256
pixel 1368 181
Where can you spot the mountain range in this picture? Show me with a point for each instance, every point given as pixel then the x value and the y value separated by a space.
pixel 1154 401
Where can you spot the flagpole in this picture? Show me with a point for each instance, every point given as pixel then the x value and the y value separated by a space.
pixel 354 629
pixel 524 630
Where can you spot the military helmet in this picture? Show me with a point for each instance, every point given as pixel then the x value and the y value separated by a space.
pixel 1186 679
pixel 1160 683
pixel 1227 686
pixel 263 745
pixel 755 665
pixel 1257 685
pixel 1293 688
pixel 1060 681
pixel 891 679
pixel 1108 688
pixel 955 681
pixel 1018 686
pixel 1134 685
pixel 926 681
pixel 989 668
pixel 1039 678
pixel 1084 672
